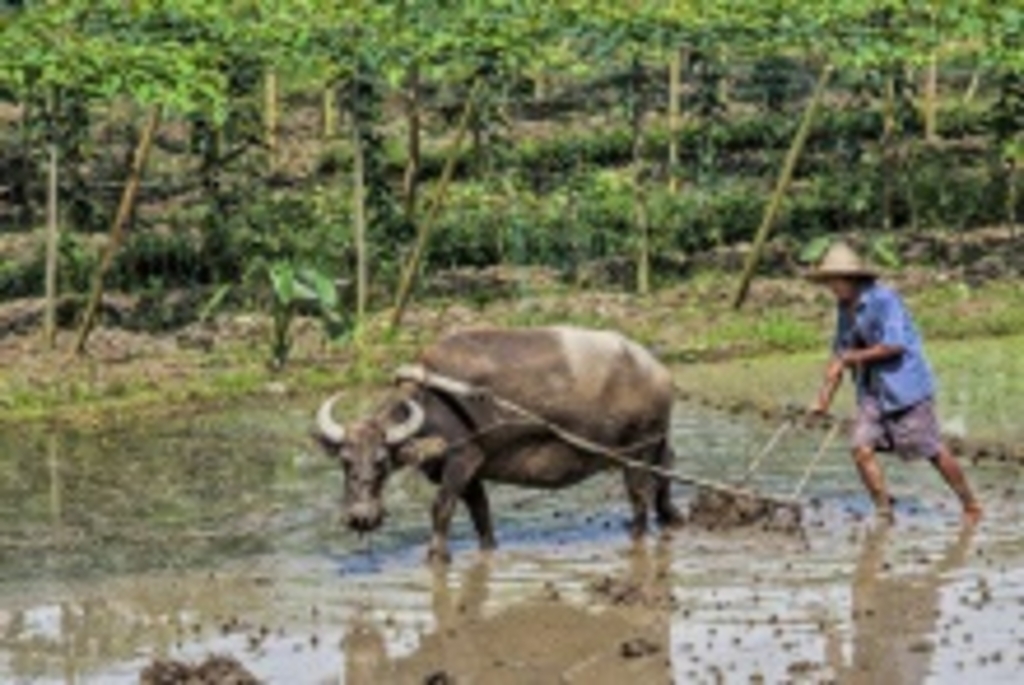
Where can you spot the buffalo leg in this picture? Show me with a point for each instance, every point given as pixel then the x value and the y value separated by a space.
pixel 638 488
pixel 475 498
pixel 668 514
pixel 459 471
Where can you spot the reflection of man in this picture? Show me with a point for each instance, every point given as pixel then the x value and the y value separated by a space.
pixel 876 339
pixel 894 617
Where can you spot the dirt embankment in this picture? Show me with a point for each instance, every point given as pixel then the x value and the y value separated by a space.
pixel 129 367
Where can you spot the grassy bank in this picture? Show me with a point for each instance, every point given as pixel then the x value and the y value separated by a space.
pixel 689 325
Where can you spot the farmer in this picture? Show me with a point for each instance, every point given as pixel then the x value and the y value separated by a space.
pixel 876 340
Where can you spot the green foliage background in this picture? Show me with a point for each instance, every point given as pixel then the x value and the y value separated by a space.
pixel 547 179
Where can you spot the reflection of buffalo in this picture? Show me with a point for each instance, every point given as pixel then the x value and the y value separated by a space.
pixel 595 385
pixel 893 616
pixel 544 640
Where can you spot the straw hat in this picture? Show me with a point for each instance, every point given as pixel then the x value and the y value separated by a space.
pixel 841 261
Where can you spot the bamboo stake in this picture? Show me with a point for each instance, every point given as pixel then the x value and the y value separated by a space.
pixel 931 98
pixel 643 225
pixel 675 70
pixel 785 177
pixel 410 181
pixel 643 257
pixel 270 114
pixel 1011 196
pixel 26 144
pixel 888 153
pixel 972 87
pixel 426 226
pixel 52 239
pixel 329 113
pixel 53 470
pixel 131 188
pixel 359 217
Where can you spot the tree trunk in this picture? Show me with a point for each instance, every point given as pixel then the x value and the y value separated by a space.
pixel 425 227
pixel 359 216
pixel 124 210
pixel 410 180
pixel 52 240
pixel 785 176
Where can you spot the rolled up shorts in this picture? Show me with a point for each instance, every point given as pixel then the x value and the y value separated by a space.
pixel 911 433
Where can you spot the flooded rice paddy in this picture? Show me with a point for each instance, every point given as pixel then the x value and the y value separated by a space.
pixel 219 534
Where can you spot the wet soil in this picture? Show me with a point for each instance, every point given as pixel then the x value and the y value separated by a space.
pixel 215 670
pixel 217 534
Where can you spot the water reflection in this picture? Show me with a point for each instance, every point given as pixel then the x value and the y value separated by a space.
pixel 546 638
pixel 73 504
pixel 895 618
pixel 114 547
pixel 82 631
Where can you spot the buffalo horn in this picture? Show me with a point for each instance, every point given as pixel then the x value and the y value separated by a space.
pixel 401 432
pixel 330 429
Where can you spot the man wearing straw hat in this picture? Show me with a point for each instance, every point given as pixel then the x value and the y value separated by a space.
pixel 876 340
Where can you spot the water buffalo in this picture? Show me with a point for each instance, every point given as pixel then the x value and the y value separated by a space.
pixel 456 416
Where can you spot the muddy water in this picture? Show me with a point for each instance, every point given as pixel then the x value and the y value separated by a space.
pixel 218 534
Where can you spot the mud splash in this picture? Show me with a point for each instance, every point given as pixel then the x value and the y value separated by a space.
pixel 219 535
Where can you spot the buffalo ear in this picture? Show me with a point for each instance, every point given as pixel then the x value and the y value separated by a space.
pixel 421 450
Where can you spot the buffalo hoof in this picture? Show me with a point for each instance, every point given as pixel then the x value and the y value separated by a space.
pixel 438 556
pixel 671 518
pixel 637 530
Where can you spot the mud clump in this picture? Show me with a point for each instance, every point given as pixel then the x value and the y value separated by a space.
pixel 215 670
pixel 628 593
pixel 638 647
pixel 802 668
pixel 439 678
pixel 712 509
pixel 716 510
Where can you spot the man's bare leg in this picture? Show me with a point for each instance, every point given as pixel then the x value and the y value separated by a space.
pixel 874 482
pixel 949 468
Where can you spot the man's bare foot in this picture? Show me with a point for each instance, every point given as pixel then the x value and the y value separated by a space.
pixel 885 510
pixel 885 515
pixel 972 514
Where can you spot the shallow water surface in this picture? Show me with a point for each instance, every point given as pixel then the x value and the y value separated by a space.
pixel 219 534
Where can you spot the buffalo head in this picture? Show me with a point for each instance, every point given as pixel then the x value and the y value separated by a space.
pixel 367 451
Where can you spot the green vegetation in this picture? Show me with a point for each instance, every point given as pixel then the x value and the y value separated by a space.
pixel 789 318
pixel 314 159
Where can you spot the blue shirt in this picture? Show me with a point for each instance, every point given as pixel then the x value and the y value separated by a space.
pixel 880 318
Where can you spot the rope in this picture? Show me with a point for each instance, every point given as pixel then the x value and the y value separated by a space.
pixel 759 457
pixel 812 464
pixel 420 375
